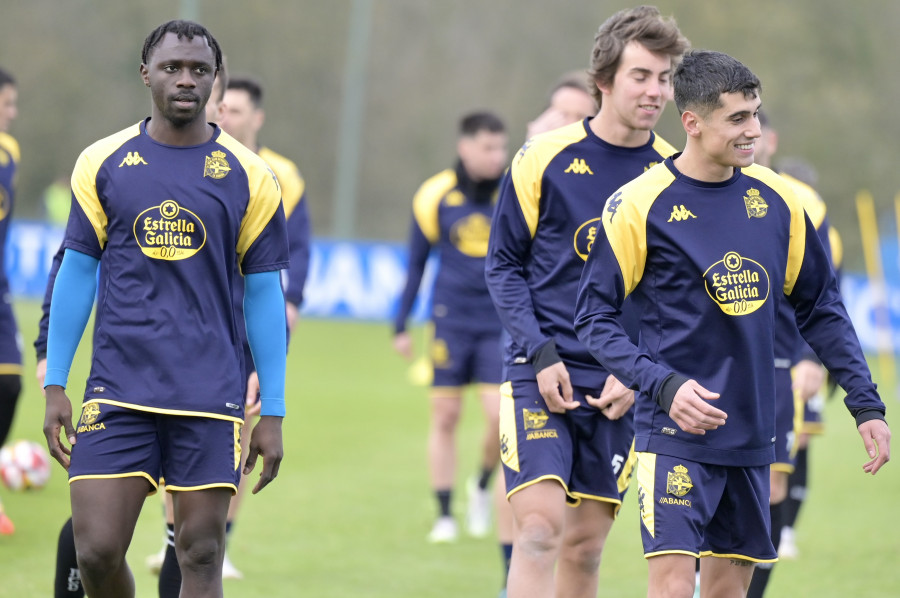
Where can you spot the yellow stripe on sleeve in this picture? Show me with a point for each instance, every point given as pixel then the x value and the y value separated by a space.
pixel 811 200
pixel 84 178
pixel 288 175
pixel 625 221
pixel 837 247
pixel 663 147
pixel 797 242
pixel 530 163
pixel 427 201
pixel 265 194
pixel 9 143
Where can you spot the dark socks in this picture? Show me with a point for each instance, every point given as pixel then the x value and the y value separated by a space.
pixel 10 388
pixel 763 571
pixel 443 498
pixel 170 574
pixel 68 579
pixel 796 488
pixel 506 549
pixel 485 478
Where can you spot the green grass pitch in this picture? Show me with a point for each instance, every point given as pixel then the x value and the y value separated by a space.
pixel 348 514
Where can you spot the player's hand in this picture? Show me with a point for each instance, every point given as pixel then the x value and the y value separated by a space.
pixel 40 372
pixel 403 345
pixel 877 437
pixel 691 411
pixel 808 378
pixel 252 404
pixel 291 314
pixel 615 399
pixel 58 417
pixel 265 441
pixel 556 388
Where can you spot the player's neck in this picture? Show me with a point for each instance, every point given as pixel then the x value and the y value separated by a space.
pixel 612 130
pixel 196 132
pixel 695 164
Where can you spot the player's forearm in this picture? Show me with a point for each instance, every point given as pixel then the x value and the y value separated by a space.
pixel 419 248
pixel 266 333
pixel 299 239
pixel 40 343
pixel 74 288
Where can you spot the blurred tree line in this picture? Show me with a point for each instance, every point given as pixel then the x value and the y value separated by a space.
pixel 827 67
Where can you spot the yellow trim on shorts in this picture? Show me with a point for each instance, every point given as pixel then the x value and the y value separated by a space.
pixel 110 476
pixel 10 368
pixel 577 497
pixel 743 557
pixel 541 479
pixel 813 428
pixel 170 488
pixel 134 407
pixel 782 467
pixel 648 555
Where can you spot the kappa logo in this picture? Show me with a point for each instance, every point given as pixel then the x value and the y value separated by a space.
pixel 579 166
pixel 680 213
pixel 132 159
pixel 649 166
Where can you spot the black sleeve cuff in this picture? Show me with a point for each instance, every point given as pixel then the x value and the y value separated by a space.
pixel 545 356
pixel 42 355
pixel 863 415
pixel 667 390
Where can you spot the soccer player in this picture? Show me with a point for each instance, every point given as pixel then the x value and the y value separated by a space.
pixel 242 118
pixel 452 217
pixel 167 208
pixel 67 582
pixel 565 422
pixel 571 101
pixel 10 351
pixel 798 375
pixel 705 244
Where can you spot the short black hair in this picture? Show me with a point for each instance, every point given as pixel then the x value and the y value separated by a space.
pixel 188 29
pixel 703 76
pixel 6 78
pixel 251 86
pixel 475 122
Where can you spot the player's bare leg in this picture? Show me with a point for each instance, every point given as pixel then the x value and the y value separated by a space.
pixel 200 540
pixel 446 406
pixel 104 513
pixel 586 529
pixel 724 578
pixel 672 576
pixel 478 513
pixel 540 514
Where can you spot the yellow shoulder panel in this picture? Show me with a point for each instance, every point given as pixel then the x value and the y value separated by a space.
pixel 427 201
pixel 625 221
pixel 84 177
pixel 797 243
pixel 9 143
pixel 532 160
pixel 811 200
pixel 292 184
pixel 265 193
pixel 837 247
pixel 662 146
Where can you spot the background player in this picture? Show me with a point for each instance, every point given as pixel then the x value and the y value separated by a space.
pixel 560 444
pixel 10 343
pixel 705 417
pixel 571 101
pixel 797 374
pixel 185 256
pixel 451 217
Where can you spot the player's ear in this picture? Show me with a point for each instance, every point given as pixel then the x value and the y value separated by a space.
pixel 691 122
pixel 145 74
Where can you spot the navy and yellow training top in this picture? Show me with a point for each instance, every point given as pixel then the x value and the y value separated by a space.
pixel 546 220
pixel 168 224
pixel 10 351
pixel 452 217
pixel 704 263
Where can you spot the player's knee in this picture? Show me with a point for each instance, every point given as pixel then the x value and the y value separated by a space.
pixel 584 551
pixel 199 553
pixel 446 418
pixel 97 557
pixel 538 533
